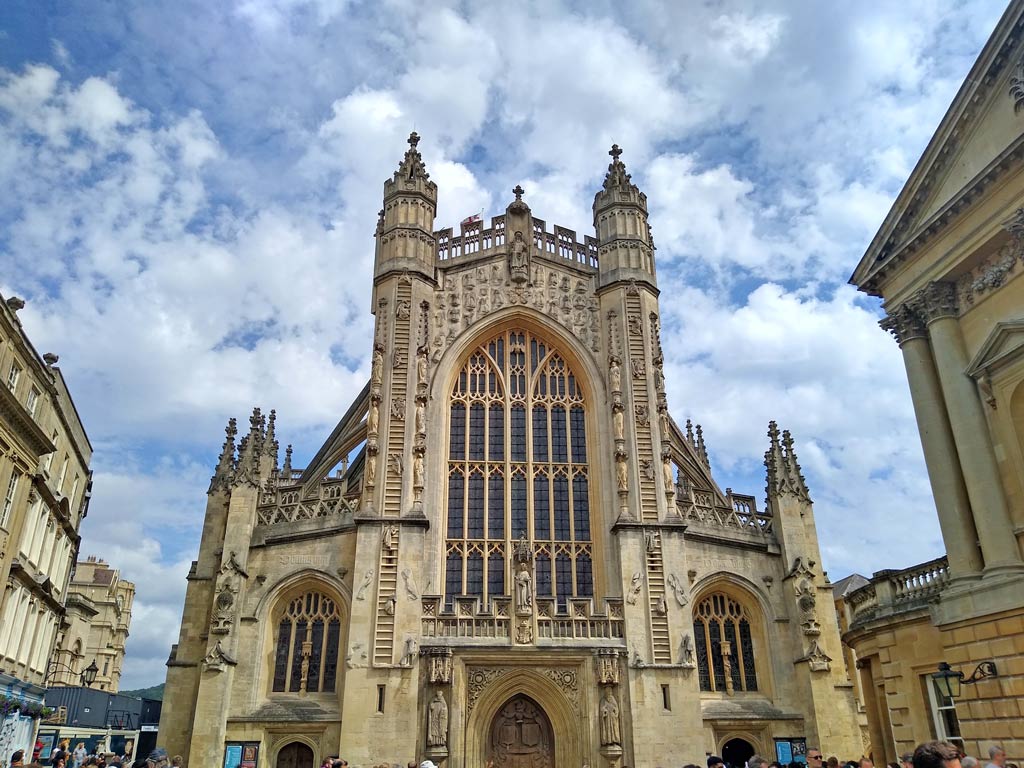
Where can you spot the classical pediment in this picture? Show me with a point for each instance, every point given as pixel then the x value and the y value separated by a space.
pixel 980 138
pixel 1004 345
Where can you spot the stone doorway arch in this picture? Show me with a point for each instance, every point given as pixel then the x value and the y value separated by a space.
pixel 295 755
pixel 736 752
pixel 521 736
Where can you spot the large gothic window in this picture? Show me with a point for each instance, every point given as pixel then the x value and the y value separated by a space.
pixel 517 468
pixel 308 638
pixel 725 650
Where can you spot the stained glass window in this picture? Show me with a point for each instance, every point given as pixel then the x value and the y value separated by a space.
pixel 306 657
pixel 517 467
pixel 720 619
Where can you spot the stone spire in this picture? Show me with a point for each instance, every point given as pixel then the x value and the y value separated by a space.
pixel 286 470
pixel 247 469
pixel 625 247
pixel 405 229
pixel 224 474
pixel 784 473
pixel 270 444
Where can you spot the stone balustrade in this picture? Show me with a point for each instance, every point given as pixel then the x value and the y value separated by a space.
pixel 475 240
pixel 890 592
pixel 698 508
pixel 466 618
pixel 284 503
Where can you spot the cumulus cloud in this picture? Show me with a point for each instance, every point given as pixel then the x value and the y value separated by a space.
pixel 191 192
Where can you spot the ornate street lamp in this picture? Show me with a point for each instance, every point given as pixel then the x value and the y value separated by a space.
pixel 89 674
pixel 949 681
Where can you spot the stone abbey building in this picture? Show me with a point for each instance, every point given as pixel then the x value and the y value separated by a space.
pixel 507 550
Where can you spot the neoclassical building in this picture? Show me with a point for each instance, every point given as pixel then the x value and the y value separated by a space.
pixel 507 550
pixel 947 261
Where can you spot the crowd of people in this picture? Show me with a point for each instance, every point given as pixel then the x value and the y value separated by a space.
pixel 932 754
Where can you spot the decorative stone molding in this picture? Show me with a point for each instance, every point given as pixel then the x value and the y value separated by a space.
pixel 367 579
pixel 904 324
pixel 1017 86
pixel 816 658
pixel 477 682
pixel 997 268
pixel 607 667
pixel 217 659
pixel 936 300
pixel 635 585
pixel 678 589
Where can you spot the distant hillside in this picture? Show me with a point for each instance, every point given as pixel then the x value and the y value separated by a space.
pixel 154 692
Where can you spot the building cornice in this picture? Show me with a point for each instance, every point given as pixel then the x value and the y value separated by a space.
pixel 40 589
pixel 13 413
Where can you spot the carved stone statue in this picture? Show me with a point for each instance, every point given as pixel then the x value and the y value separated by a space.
pixel 519 259
pixel 806 601
pixel 389 605
pixel 678 590
pixel 615 374
pixel 634 588
pixel 524 632
pixel 647 469
pixel 437 721
pixel 686 651
pixel 373 416
pixel 667 473
pixel 621 474
pixel 395 463
pixel 377 368
pixel 421 418
pixel 410 584
pixel 638 367
pixel 387 537
pixel 398 408
pixel 370 469
pixel 417 471
pixel 409 656
pixel 609 719
pixel 524 590
pixel 421 369
pixel 367 578
pixel 642 414
pixel 402 309
pixel 661 606
pixel 635 329
pixel 618 424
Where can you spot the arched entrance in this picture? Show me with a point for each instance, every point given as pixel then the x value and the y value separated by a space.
pixel 521 736
pixel 295 755
pixel 736 752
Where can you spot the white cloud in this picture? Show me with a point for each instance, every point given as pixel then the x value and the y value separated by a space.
pixel 190 215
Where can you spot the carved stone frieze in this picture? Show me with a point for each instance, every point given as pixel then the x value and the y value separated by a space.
pixel 642 414
pixel 567 679
pixel 638 367
pixel 477 681
pixel 816 658
pixel 471 294
pixel 218 658
pixel 994 271
pixel 607 667
pixel 440 670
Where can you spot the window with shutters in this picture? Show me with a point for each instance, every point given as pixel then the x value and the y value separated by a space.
pixel 517 468
pixel 307 644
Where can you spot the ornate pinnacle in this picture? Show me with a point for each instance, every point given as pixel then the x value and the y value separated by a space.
pixel 412 166
pixel 617 178
pixel 270 443
pixel 689 432
pixel 701 448
pixel 414 139
pixel 518 192
pixel 615 151
pixel 286 471
pixel 226 463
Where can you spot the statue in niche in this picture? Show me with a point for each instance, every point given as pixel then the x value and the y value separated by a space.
pixel 389 605
pixel 417 470
pixel 388 537
pixel 661 606
pixel 663 420
pixel 421 418
pixel 524 632
pixel 370 468
pixel 806 601
pixel 609 719
pixel 437 721
pixel 410 584
pixel 524 590
pixel 367 578
pixel 647 469
pixel 650 540
pixel 618 424
pixel 659 376
pixel 377 368
pixel 373 415
pixel 667 471
pixel 638 367
pixel 635 329
pixel 621 473
pixel 686 651
pixel 398 360
pixel 403 309
pixel 519 259
pixel 615 373
pixel 395 463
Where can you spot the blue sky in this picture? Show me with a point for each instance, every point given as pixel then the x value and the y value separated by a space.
pixel 191 190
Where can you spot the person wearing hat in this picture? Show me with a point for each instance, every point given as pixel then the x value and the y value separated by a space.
pixel 157 758
pixel 715 760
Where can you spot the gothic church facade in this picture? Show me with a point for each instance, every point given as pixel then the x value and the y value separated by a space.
pixel 507 550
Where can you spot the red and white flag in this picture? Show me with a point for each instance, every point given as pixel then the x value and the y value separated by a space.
pixel 474 219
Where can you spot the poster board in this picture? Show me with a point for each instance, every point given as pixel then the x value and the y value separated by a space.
pixel 241 754
pixel 790 750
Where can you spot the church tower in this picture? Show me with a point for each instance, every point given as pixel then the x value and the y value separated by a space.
pixel 507 551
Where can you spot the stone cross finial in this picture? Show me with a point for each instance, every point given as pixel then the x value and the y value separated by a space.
pixel 414 139
pixel 615 151
pixel 518 192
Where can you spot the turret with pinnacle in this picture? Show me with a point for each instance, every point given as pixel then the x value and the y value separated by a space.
pixel 405 229
pixel 626 249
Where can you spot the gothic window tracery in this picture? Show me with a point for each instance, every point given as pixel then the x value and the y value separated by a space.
pixel 724 645
pixel 307 645
pixel 517 467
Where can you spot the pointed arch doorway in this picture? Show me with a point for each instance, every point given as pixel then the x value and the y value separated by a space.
pixel 295 755
pixel 521 736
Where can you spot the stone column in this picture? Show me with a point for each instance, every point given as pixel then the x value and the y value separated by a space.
pixel 940 456
pixel 937 302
